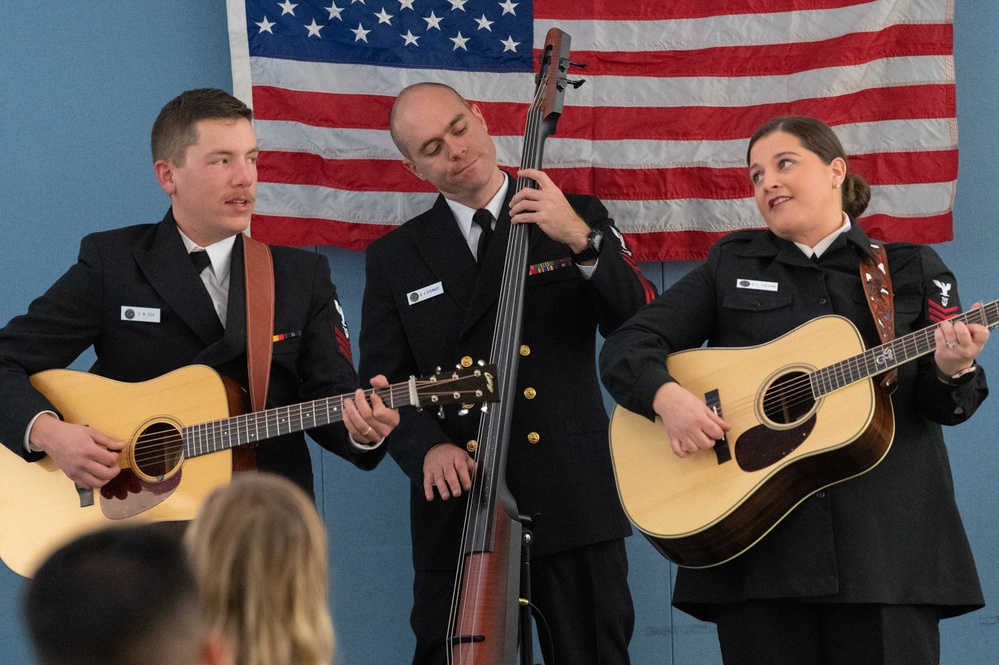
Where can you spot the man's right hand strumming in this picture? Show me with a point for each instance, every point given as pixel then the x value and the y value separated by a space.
pixel 88 457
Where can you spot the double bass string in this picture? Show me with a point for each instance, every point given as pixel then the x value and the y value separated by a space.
pixel 503 352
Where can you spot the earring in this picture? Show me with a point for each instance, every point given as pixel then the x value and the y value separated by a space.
pixel 835 185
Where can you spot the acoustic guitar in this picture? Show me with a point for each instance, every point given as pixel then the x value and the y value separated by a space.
pixel 179 437
pixel 804 413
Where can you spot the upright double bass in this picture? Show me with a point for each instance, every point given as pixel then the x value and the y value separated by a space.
pixel 484 613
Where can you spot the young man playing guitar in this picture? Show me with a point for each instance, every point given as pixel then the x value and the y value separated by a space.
pixel 137 298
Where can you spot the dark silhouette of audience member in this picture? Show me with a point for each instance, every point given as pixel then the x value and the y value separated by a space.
pixel 120 596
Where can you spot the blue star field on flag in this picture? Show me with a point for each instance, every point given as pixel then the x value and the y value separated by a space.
pixel 477 35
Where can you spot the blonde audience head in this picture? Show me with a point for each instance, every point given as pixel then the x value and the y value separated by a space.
pixel 258 549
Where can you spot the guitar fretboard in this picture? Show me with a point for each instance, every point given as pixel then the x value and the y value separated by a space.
pixel 892 354
pixel 228 433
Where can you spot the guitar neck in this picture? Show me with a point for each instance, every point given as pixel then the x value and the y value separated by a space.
pixel 218 435
pixel 893 354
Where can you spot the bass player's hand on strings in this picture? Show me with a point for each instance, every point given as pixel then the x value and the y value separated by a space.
pixel 546 206
pixel 448 468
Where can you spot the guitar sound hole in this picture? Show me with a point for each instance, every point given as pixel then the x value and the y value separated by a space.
pixel 159 450
pixel 788 399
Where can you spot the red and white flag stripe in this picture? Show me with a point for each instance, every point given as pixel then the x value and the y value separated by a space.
pixel 658 131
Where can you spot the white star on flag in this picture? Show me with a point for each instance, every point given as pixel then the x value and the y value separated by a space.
pixel 433 21
pixel 314 29
pixel 265 26
pixel 360 33
pixel 459 42
pixel 335 11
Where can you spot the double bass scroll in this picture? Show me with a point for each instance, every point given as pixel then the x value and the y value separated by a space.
pixel 483 626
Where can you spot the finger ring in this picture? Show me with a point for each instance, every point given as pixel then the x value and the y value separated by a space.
pixel 365 432
pixel 951 345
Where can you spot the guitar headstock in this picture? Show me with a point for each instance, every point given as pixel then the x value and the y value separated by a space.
pixel 465 385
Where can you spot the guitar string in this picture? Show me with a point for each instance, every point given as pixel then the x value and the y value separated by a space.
pixel 864 365
pixel 464 616
pixel 278 418
pixel 793 394
pixel 281 416
pixel 278 415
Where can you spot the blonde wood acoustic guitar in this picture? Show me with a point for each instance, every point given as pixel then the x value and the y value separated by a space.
pixel 804 412
pixel 179 437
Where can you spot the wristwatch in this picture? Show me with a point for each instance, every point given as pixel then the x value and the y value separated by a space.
pixel 960 378
pixel 594 241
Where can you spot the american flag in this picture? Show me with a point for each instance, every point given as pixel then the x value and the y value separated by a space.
pixel 659 130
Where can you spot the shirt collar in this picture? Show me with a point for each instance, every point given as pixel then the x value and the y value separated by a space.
pixel 463 214
pixel 220 254
pixel 824 244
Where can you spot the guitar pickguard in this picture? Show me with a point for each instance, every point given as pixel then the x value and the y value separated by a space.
pixel 760 446
pixel 127 495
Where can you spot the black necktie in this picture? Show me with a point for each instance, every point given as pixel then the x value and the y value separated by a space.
pixel 199 258
pixel 484 219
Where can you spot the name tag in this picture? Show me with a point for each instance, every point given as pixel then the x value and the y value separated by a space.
pixel 141 314
pixel 425 293
pixel 755 285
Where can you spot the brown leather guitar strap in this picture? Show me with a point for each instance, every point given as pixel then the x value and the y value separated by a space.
pixel 259 318
pixel 877 283
pixel 259 334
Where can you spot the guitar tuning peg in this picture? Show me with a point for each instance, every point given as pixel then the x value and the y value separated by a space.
pixel 440 413
pixel 463 412
pixel 577 64
pixel 485 408
pixel 575 83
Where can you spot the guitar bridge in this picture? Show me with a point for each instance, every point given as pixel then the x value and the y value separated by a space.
pixel 722 450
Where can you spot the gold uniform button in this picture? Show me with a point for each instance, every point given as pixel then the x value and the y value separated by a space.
pixel 533 437
pixel 525 350
pixel 466 361
pixel 530 393
pixel 472 445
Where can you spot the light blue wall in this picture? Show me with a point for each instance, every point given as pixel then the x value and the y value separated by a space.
pixel 81 86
